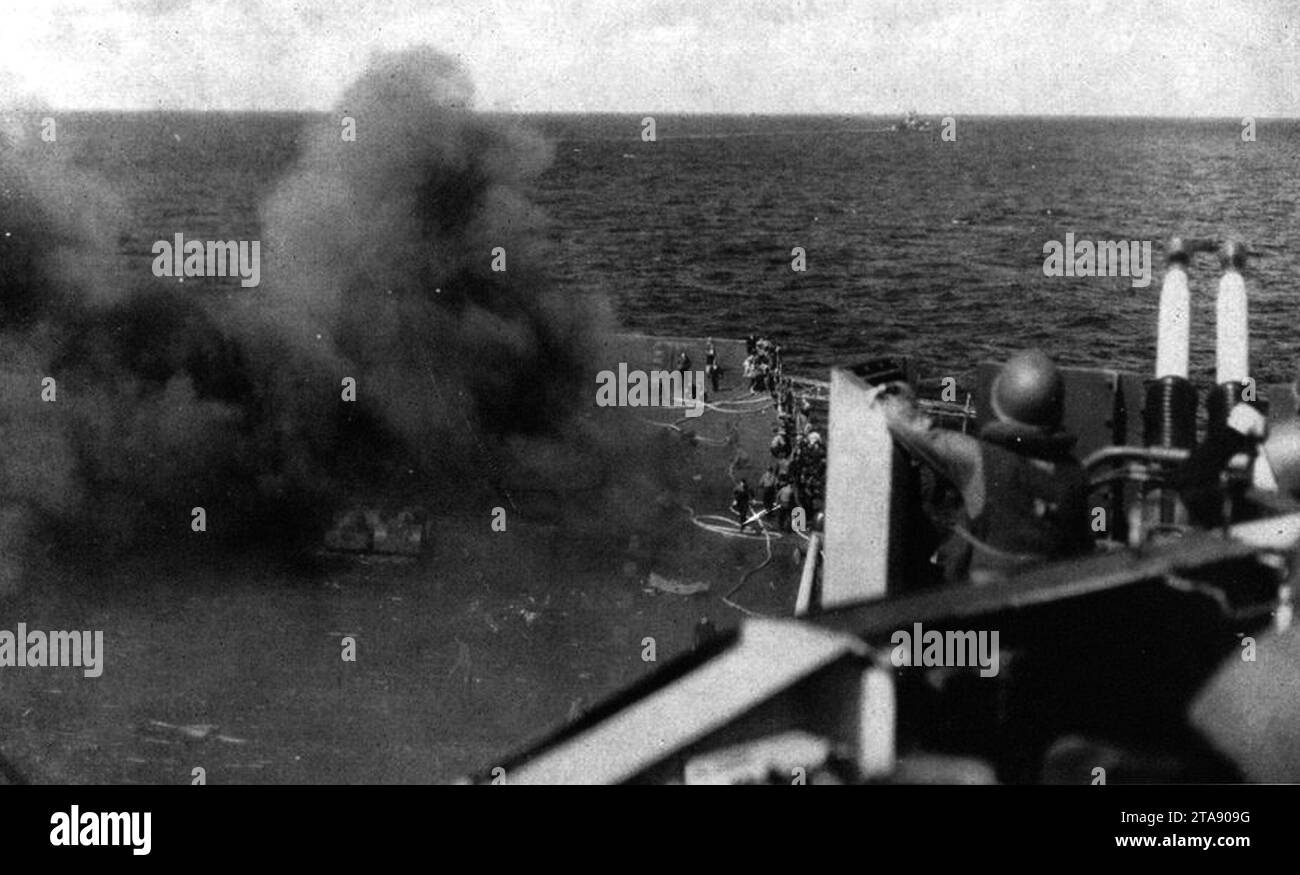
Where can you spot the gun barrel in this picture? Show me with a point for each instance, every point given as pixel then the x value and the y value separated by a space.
pixel 1233 329
pixel 1173 332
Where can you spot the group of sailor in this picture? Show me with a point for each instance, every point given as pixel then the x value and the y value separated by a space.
pixel 762 366
pixel 777 497
pixel 801 460
pixel 797 476
pixel 712 372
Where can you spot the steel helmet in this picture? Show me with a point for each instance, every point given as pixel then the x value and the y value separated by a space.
pixel 1282 450
pixel 1029 391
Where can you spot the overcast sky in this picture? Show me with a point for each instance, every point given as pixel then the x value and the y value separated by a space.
pixel 1095 57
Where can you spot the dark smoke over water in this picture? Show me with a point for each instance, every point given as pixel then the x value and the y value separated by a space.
pixel 381 252
pixel 377 265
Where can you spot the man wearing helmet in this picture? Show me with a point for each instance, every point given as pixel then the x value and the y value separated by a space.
pixel 1025 495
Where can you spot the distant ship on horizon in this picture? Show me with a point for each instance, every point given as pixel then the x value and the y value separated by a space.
pixel 911 122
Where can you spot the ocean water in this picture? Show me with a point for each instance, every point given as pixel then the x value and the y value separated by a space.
pixel 914 245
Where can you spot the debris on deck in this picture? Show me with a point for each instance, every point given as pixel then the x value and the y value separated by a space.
pixel 676 587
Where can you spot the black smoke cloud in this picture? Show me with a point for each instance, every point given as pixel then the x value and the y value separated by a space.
pixel 377 265
pixel 381 250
